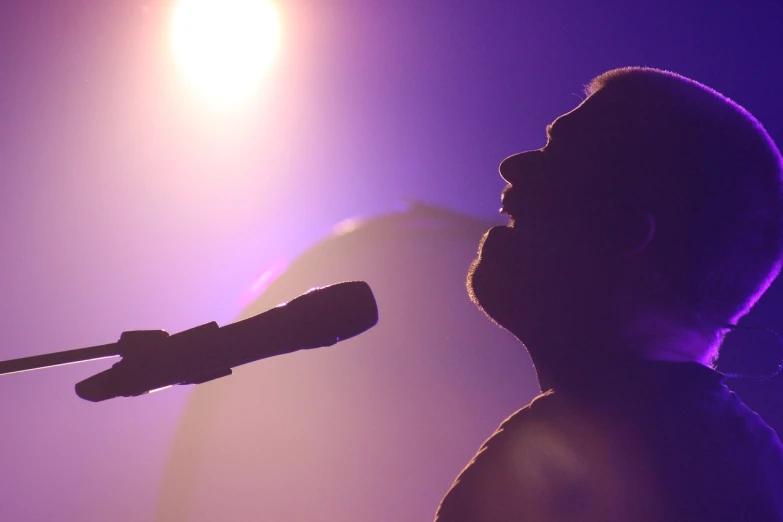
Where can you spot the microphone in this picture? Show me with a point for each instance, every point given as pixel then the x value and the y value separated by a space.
pixel 153 360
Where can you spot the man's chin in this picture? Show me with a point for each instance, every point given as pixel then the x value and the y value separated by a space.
pixel 487 290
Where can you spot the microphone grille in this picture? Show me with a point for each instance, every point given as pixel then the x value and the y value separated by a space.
pixel 341 310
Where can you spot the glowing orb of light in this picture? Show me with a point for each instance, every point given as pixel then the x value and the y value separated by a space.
pixel 224 47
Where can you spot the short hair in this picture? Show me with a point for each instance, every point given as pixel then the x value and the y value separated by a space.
pixel 711 176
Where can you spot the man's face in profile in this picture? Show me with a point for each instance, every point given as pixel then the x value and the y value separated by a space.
pixel 545 261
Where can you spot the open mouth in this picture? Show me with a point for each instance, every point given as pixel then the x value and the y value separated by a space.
pixel 509 205
pixel 508 201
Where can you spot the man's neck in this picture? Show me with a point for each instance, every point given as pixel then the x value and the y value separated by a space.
pixel 659 339
pixel 568 370
pixel 561 362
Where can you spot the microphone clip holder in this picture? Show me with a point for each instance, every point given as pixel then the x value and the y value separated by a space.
pixel 153 360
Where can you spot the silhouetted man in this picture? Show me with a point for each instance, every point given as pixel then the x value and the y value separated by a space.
pixel 652 218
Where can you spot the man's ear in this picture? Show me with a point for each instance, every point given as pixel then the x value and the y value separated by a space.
pixel 633 233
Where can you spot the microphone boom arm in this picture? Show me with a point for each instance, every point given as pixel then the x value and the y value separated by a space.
pixel 49 360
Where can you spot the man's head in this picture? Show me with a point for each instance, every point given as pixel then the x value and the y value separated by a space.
pixel 655 201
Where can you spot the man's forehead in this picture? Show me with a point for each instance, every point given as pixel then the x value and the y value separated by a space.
pixel 594 112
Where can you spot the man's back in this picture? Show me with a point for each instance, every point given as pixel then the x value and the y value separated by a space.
pixel 648 441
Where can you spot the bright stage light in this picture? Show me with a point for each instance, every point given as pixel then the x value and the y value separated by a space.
pixel 224 47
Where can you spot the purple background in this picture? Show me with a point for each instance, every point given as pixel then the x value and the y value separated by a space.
pixel 125 205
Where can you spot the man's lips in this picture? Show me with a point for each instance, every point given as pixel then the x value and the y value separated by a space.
pixel 509 202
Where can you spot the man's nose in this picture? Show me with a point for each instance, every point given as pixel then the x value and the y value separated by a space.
pixel 514 168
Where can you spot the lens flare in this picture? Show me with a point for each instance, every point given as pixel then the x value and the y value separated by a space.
pixel 225 47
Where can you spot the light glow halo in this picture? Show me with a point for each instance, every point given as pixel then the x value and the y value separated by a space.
pixel 225 47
